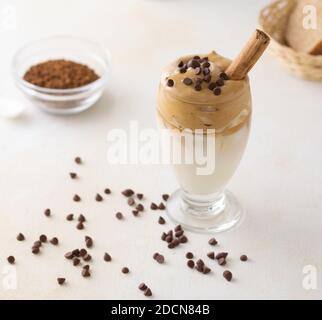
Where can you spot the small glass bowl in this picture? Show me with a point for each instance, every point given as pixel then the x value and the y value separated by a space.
pixel 62 101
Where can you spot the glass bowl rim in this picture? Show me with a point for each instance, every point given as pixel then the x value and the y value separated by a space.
pixel 100 82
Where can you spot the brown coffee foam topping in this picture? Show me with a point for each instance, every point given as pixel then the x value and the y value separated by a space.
pixel 183 106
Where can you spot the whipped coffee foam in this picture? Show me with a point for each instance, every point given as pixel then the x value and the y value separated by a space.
pixel 195 105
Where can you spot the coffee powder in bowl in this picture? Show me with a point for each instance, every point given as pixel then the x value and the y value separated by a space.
pixel 62 74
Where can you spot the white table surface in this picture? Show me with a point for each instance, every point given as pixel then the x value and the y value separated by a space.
pixel 278 182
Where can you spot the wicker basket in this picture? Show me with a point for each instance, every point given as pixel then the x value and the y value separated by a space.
pixel 273 20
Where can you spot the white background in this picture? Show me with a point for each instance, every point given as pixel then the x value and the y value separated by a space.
pixel 278 182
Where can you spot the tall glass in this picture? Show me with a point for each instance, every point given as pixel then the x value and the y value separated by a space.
pixel 210 127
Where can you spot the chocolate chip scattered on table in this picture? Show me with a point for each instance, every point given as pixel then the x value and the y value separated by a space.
pixel 20 237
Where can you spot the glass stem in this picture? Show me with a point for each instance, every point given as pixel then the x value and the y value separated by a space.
pixel 203 205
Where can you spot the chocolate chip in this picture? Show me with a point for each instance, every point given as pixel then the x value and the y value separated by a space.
pixel 47 212
pixel 76 198
pixel 70 217
pixel 187 81
pixel 37 243
pixel 211 255
pixel 179 233
pixel 161 206
pixel 206 71
pixel 140 196
pixel 227 275
pixel 87 257
pixel 86 273
pixel 222 261
pixel 189 255
pixel 153 206
pixel 221 255
pixel 206 270
pixel 75 253
pixel 191 264
pixel 128 192
pixel 20 237
pixel 163 236
pixel 196 58
pixel 86 267
pixel 199 81
pixel 139 207
pixel 135 213
pixel 11 259
pixel 73 175
pixel 161 220
pixel 142 286
pixel 81 218
pixel 200 262
pixel 35 250
pixel 61 281
pixel 220 82
pixel 98 198
pixel 193 64
pixel 206 64
pixel 224 76
pixel 183 239
pixel 43 238
pixel 69 255
pixel 80 226
pixel 159 258
pixel 243 257
pixel 217 91
pixel 88 241
pixel 107 257
pixel 119 215
pixel 76 261
pixel 180 65
pixel 199 268
pixel 171 245
pixel 82 252
pixel 174 243
pixel 212 86
pixel 125 270
pixel 198 87
pixel 170 83
pixel 148 292
pixel 212 241
pixel 165 197
pixel 54 241
pixel 107 191
pixel 207 78
pixel 130 201
pixel 168 239
pixel 78 160
pixel 178 228
pixel 87 238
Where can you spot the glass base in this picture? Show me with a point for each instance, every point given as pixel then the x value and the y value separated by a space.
pixel 204 214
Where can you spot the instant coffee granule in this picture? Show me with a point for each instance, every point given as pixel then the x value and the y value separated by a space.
pixel 60 74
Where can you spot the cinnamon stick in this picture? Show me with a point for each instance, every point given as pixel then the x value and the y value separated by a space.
pixel 249 55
